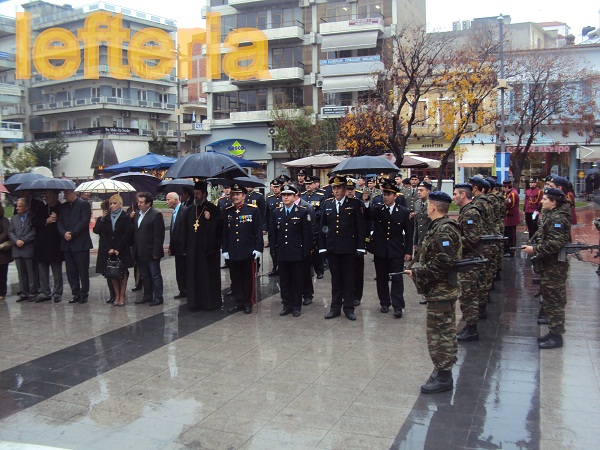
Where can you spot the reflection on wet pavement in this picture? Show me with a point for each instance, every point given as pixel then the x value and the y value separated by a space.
pixel 96 377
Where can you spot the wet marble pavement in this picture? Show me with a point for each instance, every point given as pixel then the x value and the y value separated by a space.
pixel 100 377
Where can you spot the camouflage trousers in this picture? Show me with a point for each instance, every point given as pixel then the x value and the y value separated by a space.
pixel 554 295
pixel 441 334
pixel 469 296
pixel 487 275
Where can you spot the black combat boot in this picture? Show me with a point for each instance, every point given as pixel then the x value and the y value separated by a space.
pixel 468 333
pixel 542 318
pixel 544 337
pixel 553 341
pixel 440 382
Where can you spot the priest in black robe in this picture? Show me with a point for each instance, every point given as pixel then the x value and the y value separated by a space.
pixel 202 240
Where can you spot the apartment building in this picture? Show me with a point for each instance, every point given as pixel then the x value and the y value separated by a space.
pixel 323 57
pixel 105 120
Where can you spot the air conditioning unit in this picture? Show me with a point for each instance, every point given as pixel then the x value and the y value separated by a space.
pixel 272 131
pixel 153 116
pixel 319 83
pixel 125 113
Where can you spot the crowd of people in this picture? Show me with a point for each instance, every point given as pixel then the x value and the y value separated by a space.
pixel 403 223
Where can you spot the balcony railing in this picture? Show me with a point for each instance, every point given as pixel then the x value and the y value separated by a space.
pixel 104 7
pixel 102 101
pixel 103 70
pixel 13 110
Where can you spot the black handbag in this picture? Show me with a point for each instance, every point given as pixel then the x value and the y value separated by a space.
pixel 115 269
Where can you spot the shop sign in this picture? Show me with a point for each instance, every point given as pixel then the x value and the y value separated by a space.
pixel 236 149
pixel 544 149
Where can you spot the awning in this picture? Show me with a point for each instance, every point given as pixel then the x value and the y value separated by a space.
pixel 353 83
pixel 477 155
pixel 589 154
pixel 349 41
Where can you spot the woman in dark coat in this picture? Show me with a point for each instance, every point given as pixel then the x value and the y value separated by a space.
pixel 5 255
pixel 117 232
pixel 102 250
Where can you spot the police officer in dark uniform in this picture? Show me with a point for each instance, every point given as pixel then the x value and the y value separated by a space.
pixel 359 278
pixel 378 199
pixel 391 245
pixel 257 199
pixel 292 227
pixel 342 237
pixel 300 183
pixel 273 202
pixel 225 199
pixel 242 244
pixel 315 198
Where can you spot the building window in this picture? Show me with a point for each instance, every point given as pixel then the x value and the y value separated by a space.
pixel 117 92
pixel 336 11
pixel 163 98
pixel 118 122
pixel 286 57
pixel 369 8
pixel 288 97
pixel 95 122
pixel 95 92
pixel 143 96
pixel 143 124
pixel 164 125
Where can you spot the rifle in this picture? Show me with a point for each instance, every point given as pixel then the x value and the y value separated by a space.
pixel 574 249
pixel 490 239
pixel 460 266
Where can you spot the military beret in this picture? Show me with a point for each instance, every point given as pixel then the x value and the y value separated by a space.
pixel 406 181
pixel 561 181
pixel 507 183
pixel 555 192
pixel 439 196
pixel 492 182
pixel 237 188
pixel 388 186
pixel 479 182
pixel 289 189
pixel 425 184
pixel 463 186
pixel 414 176
pixel 337 181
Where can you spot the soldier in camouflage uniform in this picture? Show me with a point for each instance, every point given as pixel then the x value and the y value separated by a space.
pixel 547 243
pixel 440 250
pixel 471 226
pixel 421 220
pixel 487 214
pixel 497 197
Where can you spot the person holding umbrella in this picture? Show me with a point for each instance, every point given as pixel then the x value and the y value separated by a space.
pixel 47 248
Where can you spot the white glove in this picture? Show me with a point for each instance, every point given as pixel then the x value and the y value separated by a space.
pixel 256 254
pixel 322 250
pixel 226 255
pixel 361 250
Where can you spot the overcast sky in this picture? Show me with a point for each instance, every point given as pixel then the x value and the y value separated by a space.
pixel 440 13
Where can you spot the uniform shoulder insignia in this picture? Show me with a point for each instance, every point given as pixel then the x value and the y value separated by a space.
pixel 230 206
pixel 251 205
pixel 302 193
pixel 271 195
pixel 300 206
pixel 330 198
pixel 321 193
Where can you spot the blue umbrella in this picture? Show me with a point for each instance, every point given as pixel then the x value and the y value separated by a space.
pixel 16 180
pixel 150 161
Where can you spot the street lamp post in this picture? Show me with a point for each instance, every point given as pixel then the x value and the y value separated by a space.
pixel 178 105
pixel 502 85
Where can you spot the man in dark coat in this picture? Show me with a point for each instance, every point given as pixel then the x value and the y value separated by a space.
pixel 47 248
pixel 391 243
pixel 292 228
pixel 74 228
pixel 148 238
pixel 201 233
pixel 342 238
pixel 22 235
pixel 177 248
pixel 242 244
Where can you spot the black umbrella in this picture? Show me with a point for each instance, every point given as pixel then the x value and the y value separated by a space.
pixel 142 182
pixel 175 184
pixel 47 183
pixel 365 164
pixel 592 170
pixel 247 181
pixel 205 165
pixel 19 178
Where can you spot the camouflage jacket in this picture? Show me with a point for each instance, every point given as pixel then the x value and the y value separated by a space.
pixel 552 235
pixel 499 205
pixel 471 228
pixel 421 223
pixel 487 213
pixel 440 250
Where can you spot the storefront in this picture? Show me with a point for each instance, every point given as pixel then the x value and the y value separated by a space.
pixel 475 155
pixel 544 160
pixel 434 149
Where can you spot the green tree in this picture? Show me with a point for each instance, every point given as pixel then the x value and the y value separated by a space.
pixel 296 132
pixel 48 153
pixel 161 145
pixel 20 160
pixel 328 133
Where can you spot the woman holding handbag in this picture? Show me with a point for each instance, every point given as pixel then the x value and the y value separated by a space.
pixel 5 253
pixel 103 249
pixel 118 233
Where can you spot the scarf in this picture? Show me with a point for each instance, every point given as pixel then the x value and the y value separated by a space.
pixel 114 216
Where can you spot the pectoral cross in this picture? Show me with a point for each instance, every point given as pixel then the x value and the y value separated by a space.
pixel 196 226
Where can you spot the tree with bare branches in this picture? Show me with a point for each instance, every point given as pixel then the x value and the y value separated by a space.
pixel 551 90
pixel 295 131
